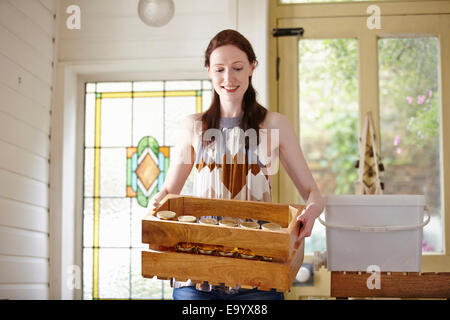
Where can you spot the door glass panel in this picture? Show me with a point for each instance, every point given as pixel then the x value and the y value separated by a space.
pixel 409 124
pixel 328 78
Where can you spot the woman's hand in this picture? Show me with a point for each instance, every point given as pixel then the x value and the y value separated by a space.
pixel 306 220
pixel 155 201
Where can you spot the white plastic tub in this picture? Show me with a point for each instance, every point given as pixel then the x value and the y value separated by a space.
pixel 374 230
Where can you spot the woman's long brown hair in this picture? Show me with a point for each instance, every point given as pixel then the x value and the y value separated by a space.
pixel 253 113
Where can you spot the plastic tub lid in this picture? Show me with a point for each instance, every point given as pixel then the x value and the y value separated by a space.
pixel 375 200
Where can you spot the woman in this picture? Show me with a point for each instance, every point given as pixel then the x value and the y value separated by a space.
pixel 224 143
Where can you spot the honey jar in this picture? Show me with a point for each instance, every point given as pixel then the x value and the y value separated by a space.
pixel 246 254
pixel 166 215
pixel 226 251
pixel 268 259
pixel 206 249
pixel 187 247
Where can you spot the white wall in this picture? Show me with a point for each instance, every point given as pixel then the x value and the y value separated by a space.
pixel 27 29
pixel 113 44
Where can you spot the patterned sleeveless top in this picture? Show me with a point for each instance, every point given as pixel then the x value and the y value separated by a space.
pixel 227 170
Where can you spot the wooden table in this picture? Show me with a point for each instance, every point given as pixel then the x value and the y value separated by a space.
pixel 392 285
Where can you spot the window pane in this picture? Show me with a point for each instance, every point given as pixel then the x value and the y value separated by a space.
pixel 176 109
pixel 87 273
pixel 89 120
pixel 114 273
pixel 113 86
pixel 148 86
pixel 88 223
pixel 207 97
pixel 90 87
pixel 112 172
pixel 409 122
pixel 148 115
pixel 116 122
pixel 89 172
pixel 183 85
pixel 115 222
pixel 328 72
pixel 137 214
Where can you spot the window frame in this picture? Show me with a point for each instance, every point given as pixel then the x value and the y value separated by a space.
pixel 340 20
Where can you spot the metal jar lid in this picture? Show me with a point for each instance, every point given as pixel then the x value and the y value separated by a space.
pixel 271 226
pixel 191 219
pixel 228 222
pixel 250 225
pixel 166 215
pixel 246 253
pixel 208 221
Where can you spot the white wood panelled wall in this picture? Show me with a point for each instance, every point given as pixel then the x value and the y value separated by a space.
pixel 27 29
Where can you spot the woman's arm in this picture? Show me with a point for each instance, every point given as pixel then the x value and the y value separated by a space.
pixel 292 159
pixel 181 161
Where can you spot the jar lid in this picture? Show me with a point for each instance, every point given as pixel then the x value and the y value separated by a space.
pixel 271 226
pixel 166 215
pixel 191 219
pixel 250 225
pixel 207 247
pixel 229 222
pixel 208 221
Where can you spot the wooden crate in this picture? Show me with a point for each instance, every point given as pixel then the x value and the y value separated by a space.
pixel 280 245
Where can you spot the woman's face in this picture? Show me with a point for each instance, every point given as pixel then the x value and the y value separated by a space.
pixel 229 70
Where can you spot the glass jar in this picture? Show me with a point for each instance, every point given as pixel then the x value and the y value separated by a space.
pixel 186 247
pixel 206 249
pixel 246 254
pixel 226 251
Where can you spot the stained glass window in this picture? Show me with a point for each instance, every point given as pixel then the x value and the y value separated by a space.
pixel 129 135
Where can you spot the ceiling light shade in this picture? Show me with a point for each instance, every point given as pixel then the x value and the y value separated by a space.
pixel 156 13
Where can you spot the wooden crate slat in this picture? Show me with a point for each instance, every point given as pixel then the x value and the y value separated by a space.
pixel 296 260
pixel 216 269
pixel 265 211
